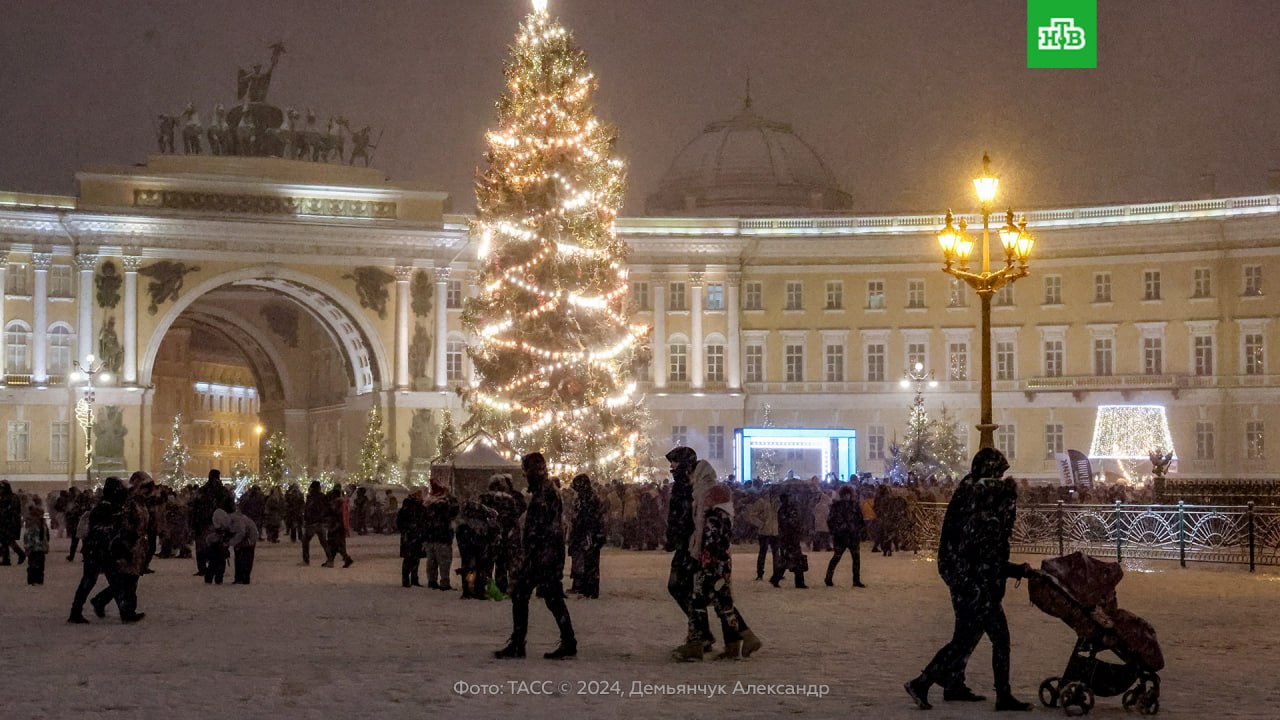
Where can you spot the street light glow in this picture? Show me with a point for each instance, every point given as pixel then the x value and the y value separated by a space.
pixel 986 183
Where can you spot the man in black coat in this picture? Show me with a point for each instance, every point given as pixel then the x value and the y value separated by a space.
pixel 541 564
pixel 10 524
pixel 845 524
pixel 293 504
pixel 315 521
pixel 973 560
pixel 790 536
pixel 680 525
pixel 586 538
pixel 209 498
pixel 410 521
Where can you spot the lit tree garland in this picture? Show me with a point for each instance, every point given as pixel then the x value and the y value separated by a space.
pixel 275 462
pixel 447 442
pixel 556 344
pixel 373 453
pixel 176 457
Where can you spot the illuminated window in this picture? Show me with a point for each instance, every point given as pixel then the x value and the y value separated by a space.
pixel 678 365
pixel 958 353
pixel 715 296
pixel 957 293
pixel 1006 367
pixel 875 294
pixel 754 356
pixel 1152 355
pixel 1254 354
pixel 715 363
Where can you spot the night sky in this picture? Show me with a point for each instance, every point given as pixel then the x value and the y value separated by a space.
pixel 900 97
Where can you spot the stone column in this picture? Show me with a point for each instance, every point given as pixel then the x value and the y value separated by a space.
pixel 4 267
pixel 696 351
pixel 442 328
pixel 734 341
pixel 659 331
pixel 40 318
pixel 85 263
pixel 403 274
pixel 129 368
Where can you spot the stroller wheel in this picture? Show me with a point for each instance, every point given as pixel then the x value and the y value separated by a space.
pixel 1049 690
pixel 1149 702
pixel 1077 699
pixel 1130 697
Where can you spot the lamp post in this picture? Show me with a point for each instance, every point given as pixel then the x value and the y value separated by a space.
pixel 957 246
pixel 84 406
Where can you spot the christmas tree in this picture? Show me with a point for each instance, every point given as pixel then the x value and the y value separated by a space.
pixel 176 457
pixel 373 453
pixel 947 447
pixel 556 344
pixel 766 467
pixel 447 443
pixel 275 461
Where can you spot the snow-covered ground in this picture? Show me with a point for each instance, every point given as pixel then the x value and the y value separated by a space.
pixel 312 642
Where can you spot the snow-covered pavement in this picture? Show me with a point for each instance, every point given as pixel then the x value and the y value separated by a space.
pixel 312 642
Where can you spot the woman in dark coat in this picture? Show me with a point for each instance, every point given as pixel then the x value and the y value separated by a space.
pixel 410 521
pixel 790 537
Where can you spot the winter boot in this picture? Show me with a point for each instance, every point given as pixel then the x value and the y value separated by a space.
pixel 688 652
pixel 512 650
pixel 800 582
pixel 732 651
pixel 1005 701
pixel 750 643
pixel 566 649
pixel 858 583
pixel 961 693
pixel 78 619
pixel 918 689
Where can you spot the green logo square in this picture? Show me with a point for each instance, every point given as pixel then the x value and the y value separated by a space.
pixel 1062 33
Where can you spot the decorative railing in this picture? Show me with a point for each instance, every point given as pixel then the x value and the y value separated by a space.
pixel 1247 534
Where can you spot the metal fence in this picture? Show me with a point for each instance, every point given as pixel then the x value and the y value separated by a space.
pixel 1239 534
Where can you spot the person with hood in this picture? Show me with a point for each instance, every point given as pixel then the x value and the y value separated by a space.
pixel 790 535
pixel 315 521
pixel 103 521
pixel 127 550
pixel 586 538
pixel 973 560
pixel 476 533
pixel 503 499
pixel 711 545
pixel 541 565
pixel 293 508
pixel 337 527
pixel 217 547
pixel 441 512
pixel 680 528
pixel 411 521
pixel 210 498
pixel 35 540
pixel 10 524
pixel 273 514
pixel 845 522
pixel 763 515
pixel 244 542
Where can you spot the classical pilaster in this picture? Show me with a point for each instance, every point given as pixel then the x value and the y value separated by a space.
pixel 696 352
pixel 404 274
pixel 40 318
pixel 659 284
pixel 129 368
pixel 4 267
pixel 734 341
pixel 85 264
pixel 441 377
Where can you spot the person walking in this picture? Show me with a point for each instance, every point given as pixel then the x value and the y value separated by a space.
pixel 315 521
pixel 763 515
pixel 845 522
pixel 273 514
pixel 337 527
pixel 78 503
pixel 790 536
pixel 212 496
pixel 293 511
pixel 541 565
pixel 10 524
pixel 35 540
pixel 127 552
pixel 102 520
pixel 586 538
pixel 973 560
pixel 411 522
pixel 680 527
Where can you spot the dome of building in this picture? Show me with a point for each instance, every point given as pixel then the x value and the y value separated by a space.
pixel 748 165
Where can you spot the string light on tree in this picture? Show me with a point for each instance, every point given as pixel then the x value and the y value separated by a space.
pixel 1129 434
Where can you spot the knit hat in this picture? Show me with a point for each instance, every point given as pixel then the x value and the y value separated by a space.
pixel 682 454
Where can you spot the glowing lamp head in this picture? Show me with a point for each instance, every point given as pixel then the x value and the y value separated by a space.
pixel 919 367
pixel 75 376
pixel 89 359
pixel 985 185
pixel 104 377
pixel 1025 243
pixel 947 237
pixel 540 6
pixel 964 246
pixel 258 429
pixel 904 383
pixel 1009 235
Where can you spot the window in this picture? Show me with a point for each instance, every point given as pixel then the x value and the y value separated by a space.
pixel 1202 283
pixel 917 354
pixel 678 355
pixel 754 369
pixel 957 293
pixel 958 354
pixel 1103 356
pixel 1053 442
pixel 453 360
pixel 875 442
pixel 1053 290
pixel 793 354
pixel 1102 287
pixel 834 363
pixel 641 367
pixel 1203 345
pixel 1004 296
pixel 875 294
pixel 60 281
pixel 715 296
pixel 915 293
pixel 715 442
pixel 1254 438
pixel 1152 355
pixel 676 297
pixel 640 296
pixel 875 362
pixel 835 295
pixel 1252 280
pixel 715 363
pixel 1007 441
pixel 15 280
pixel 19 441
pixel 753 296
pixel 453 295
pixel 1204 441
pixel 1254 357
pixel 60 340
pixel 17 345
pixel 795 295
pixel 679 435
pixel 1151 285
pixel 1005 368
pixel 59 441
pixel 1053 358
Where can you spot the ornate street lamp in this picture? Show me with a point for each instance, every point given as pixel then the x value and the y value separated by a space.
pixel 957 246
pixel 84 406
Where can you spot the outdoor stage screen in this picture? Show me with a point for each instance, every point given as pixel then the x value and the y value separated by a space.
pixel 806 451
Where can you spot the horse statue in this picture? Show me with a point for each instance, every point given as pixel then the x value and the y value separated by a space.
pixel 219 133
pixel 191 130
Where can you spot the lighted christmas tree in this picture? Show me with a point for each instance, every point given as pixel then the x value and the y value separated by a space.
pixel 373 453
pixel 556 343
pixel 951 458
pixel 176 457
pixel 447 442
pixel 275 461
pixel 766 466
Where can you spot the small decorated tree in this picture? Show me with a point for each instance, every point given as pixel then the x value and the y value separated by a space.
pixel 373 453
pixel 447 445
pixel 275 460
pixel 176 457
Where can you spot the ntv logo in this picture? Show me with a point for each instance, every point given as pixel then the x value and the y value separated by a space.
pixel 1061 34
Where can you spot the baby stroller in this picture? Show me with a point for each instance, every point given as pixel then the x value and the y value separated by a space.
pixel 1081 591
